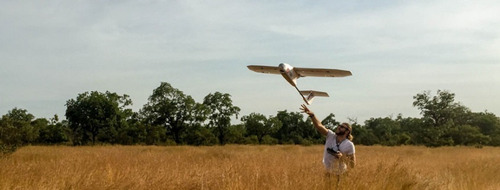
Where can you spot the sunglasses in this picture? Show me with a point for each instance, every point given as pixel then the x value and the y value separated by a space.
pixel 342 126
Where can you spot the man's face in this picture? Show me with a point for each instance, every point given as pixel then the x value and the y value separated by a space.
pixel 341 130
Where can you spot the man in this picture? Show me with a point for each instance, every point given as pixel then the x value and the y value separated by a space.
pixel 339 149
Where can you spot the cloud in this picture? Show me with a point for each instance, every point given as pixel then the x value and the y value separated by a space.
pixel 53 50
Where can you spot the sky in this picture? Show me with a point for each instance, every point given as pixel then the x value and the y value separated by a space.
pixel 51 51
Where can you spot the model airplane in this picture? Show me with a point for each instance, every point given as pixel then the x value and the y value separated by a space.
pixel 291 74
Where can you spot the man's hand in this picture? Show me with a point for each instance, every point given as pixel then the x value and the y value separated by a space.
pixel 306 110
pixel 335 153
pixel 317 124
pixel 338 155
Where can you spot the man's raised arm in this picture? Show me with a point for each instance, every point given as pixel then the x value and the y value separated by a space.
pixel 316 122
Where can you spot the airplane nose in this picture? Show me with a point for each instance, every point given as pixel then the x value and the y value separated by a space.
pixel 282 67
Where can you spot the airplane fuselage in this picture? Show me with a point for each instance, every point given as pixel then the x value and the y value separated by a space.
pixel 288 73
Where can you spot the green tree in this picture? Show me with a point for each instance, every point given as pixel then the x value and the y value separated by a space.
pixel 152 134
pixel 172 109
pixel 16 130
pixel 139 131
pixel 414 128
pixel 255 124
pixel 440 114
pixel 97 116
pixel 289 124
pixel 236 134
pixel 468 135
pixel 294 130
pixel 51 132
pixel 17 127
pixel 260 126
pixel 200 136
pixel 385 129
pixel 440 109
pixel 488 123
pixel 364 136
pixel 221 109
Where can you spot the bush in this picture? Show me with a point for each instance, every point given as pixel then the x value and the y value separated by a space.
pixel 269 140
pixel 201 136
pixel 252 140
pixel 495 140
pixel 6 149
pixel 306 142
pixel 170 142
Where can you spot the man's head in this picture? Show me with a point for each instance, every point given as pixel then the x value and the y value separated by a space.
pixel 344 129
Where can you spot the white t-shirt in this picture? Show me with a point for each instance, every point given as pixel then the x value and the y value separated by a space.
pixel 346 147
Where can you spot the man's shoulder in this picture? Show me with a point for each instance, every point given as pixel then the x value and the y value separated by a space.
pixel 330 133
pixel 350 146
pixel 350 142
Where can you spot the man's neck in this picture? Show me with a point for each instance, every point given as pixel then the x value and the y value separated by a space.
pixel 340 138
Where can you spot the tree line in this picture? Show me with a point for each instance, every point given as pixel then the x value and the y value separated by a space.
pixel 171 117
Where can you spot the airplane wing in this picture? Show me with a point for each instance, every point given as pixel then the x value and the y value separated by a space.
pixel 264 69
pixel 303 72
pixel 311 94
pixel 316 93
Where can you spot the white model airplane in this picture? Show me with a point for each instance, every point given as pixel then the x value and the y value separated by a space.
pixel 291 74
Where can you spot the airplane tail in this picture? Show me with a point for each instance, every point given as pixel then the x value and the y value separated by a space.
pixel 308 95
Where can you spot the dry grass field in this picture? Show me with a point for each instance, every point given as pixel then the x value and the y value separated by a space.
pixel 246 167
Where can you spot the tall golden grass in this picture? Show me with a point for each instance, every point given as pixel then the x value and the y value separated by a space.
pixel 246 167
